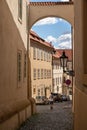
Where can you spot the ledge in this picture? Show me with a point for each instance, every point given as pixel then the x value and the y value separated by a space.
pixel 9 110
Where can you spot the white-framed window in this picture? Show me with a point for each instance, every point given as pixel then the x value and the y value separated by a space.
pixel 19 65
pixel 38 91
pixel 44 55
pixel 49 57
pixel 38 57
pixel 44 73
pixel 34 52
pixel 41 54
pixel 38 73
pixel 34 89
pixel 20 9
pixel 41 73
pixel 34 74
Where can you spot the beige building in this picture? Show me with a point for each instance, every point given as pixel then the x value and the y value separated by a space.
pixel 57 74
pixel 60 78
pixel 15 103
pixel 41 66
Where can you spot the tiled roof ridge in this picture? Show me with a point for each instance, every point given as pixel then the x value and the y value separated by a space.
pixel 51 3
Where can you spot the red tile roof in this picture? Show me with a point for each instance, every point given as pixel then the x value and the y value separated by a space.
pixel 68 53
pixel 34 36
pixel 50 3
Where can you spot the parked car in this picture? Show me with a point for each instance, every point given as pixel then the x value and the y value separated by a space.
pixel 64 97
pixel 56 97
pixel 41 100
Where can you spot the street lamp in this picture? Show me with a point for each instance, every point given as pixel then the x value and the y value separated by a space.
pixel 63 63
pixel 63 60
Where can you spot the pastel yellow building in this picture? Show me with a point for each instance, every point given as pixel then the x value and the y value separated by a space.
pixel 41 66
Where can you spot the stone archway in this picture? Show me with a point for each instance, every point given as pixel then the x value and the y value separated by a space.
pixel 39 10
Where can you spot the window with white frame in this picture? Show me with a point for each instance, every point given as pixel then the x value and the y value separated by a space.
pixel 41 73
pixel 38 91
pixel 41 54
pixel 38 57
pixel 38 73
pixel 34 89
pixel 20 9
pixel 34 74
pixel 34 52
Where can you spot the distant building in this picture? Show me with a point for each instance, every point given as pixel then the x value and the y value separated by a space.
pixel 41 66
pixel 57 74
pixel 59 78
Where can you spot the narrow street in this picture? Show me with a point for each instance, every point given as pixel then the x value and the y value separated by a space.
pixel 60 118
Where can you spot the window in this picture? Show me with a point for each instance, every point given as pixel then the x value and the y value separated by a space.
pixel 19 65
pixel 44 73
pixel 41 54
pixel 38 91
pixel 41 73
pixel 44 56
pixel 24 65
pixel 34 90
pixel 34 73
pixel 20 9
pixel 34 53
pixel 49 57
pixel 38 73
pixel 38 57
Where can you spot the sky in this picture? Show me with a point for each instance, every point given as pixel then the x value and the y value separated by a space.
pixel 54 30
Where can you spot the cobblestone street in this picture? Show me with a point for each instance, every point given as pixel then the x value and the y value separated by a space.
pixel 60 118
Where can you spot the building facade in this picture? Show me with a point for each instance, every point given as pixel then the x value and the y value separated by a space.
pixel 15 105
pixel 57 74
pixel 60 77
pixel 41 66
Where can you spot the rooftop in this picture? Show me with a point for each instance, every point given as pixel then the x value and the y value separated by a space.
pixel 34 36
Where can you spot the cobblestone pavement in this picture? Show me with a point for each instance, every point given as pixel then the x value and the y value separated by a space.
pixel 60 118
